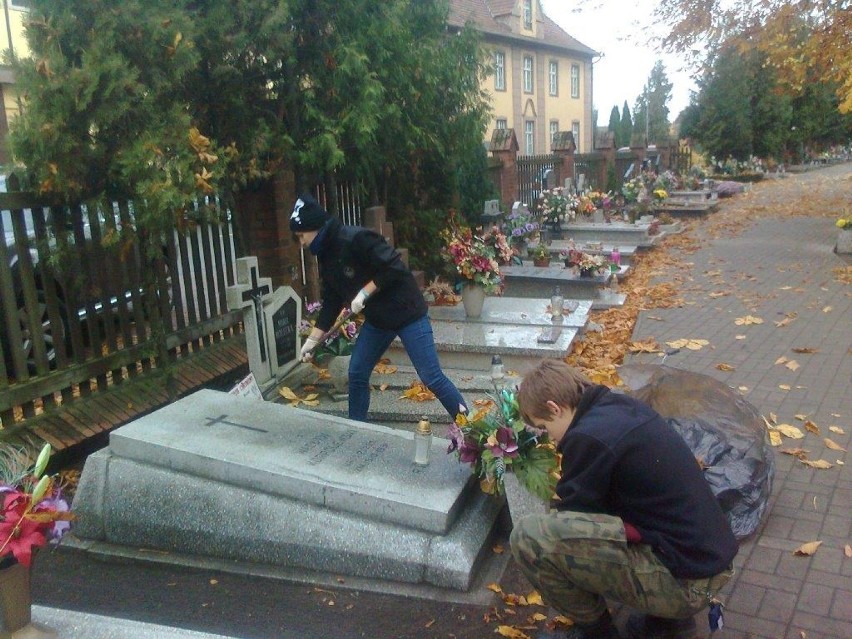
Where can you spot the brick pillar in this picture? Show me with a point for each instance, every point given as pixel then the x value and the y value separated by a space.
pixel 504 147
pixel 564 146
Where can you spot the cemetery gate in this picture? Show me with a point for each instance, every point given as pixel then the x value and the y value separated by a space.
pixel 533 171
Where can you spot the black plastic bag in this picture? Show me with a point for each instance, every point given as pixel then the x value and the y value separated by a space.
pixel 725 432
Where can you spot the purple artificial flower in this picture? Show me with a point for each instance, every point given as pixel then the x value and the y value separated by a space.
pixel 313 306
pixel 350 329
pixel 517 232
pixel 59 527
pixel 503 443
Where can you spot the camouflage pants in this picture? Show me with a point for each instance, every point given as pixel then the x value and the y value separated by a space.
pixel 577 560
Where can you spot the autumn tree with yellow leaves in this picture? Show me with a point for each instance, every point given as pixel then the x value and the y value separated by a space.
pixel 803 40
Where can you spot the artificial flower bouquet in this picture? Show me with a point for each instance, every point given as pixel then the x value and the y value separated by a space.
pixel 556 206
pixel 600 200
pixel 844 223
pixel 519 227
pixel 34 511
pixel 474 257
pixel 633 189
pixel 341 342
pixel 540 252
pixel 659 195
pixel 585 205
pixel 495 440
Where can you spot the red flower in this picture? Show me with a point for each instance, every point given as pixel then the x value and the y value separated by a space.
pixel 19 534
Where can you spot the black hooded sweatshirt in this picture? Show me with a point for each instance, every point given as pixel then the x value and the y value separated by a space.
pixel 620 457
pixel 351 256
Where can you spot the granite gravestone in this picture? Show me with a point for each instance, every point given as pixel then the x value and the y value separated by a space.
pixel 241 480
pixel 282 313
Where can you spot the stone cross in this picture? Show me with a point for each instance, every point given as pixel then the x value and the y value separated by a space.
pixel 247 295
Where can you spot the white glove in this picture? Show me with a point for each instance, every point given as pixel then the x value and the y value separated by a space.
pixel 305 354
pixel 359 301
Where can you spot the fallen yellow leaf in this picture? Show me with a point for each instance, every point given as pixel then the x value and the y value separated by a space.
pixel 784 386
pixel 742 389
pixel 740 337
pixel 808 549
pixel 512 633
pixel 775 438
pixel 827 309
pixel 494 587
pixel 800 453
pixel 834 445
pixel 811 427
pixel 781 360
pixel 819 464
pixel 748 320
pixel 537 617
pixel 793 365
pixel 790 431
pixel 725 367
pixel 805 350
pixel 773 417
pixel 287 393
pixel 534 599
pixel 837 430
pixel 498 549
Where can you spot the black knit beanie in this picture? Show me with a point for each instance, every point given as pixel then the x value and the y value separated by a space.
pixel 307 215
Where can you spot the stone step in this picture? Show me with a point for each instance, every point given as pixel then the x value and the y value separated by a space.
pixel 388 406
pixel 689 208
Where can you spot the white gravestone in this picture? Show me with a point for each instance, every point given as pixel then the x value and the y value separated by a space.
pixel 247 294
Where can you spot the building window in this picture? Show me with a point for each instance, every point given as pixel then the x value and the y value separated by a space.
pixel 529 137
pixel 528 15
pixel 575 81
pixel 528 74
pixel 499 71
pixel 501 124
pixel 575 130
pixel 554 77
pixel 554 129
pixel 21 4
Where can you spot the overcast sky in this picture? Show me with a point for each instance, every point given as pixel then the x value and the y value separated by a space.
pixel 619 29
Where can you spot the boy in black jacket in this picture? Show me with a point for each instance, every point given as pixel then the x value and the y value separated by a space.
pixel 636 521
pixel 359 269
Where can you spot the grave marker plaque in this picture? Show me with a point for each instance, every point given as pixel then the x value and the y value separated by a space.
pixel 283 314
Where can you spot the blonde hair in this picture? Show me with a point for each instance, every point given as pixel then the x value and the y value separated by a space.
pixel 551 380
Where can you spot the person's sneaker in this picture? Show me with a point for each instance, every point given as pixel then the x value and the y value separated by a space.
pixel 650 627
pixel 603 628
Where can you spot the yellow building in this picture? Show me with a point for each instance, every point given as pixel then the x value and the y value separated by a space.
pixel 542 80
pixel 14 14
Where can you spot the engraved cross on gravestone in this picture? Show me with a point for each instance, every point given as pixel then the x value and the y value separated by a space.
pixel 247 295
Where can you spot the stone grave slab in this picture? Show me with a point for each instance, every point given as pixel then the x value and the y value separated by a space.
pixel 557 247
pixel 238 479
pixel 508 327
pixel 540 281
pixel 621 233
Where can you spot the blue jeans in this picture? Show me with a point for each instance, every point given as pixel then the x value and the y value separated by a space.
pixel 417 338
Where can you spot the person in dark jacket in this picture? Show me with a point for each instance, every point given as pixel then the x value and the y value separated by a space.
pixel 359 269
pixel 635 520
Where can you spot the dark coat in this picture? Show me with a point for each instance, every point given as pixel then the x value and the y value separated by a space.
pixel 351 256
pixel 620 457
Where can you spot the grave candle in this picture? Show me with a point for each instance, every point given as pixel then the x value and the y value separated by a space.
pixel 615 256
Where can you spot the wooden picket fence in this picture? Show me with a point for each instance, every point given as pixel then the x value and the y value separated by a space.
pixel 84 306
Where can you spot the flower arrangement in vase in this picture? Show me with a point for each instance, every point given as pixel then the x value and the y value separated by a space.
pixel 556 206
pixel 540 254
pixel 587 264
pixel 34 511
pixel 519 227
pixel 474 257
pixel 585 206
pixel 495 440
pixel 340 343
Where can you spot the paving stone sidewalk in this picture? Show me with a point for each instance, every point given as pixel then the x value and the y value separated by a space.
pixel 780 268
